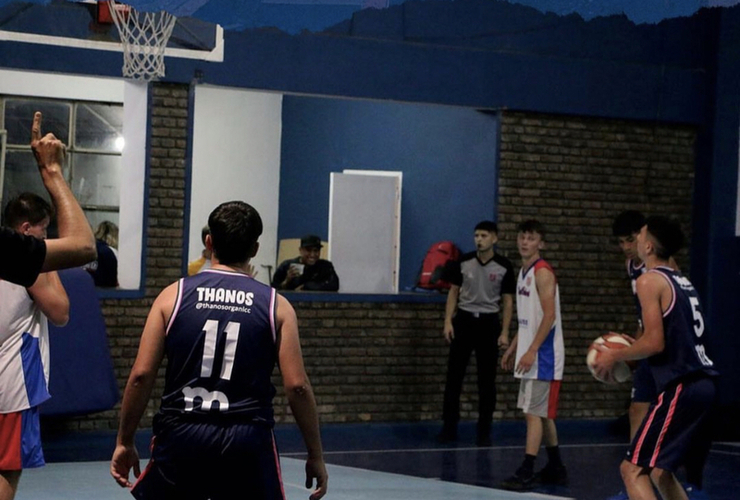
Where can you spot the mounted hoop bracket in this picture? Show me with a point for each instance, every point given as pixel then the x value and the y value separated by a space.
pixel 104 15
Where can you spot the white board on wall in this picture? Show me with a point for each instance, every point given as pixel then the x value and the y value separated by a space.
pixel 236 156
pixel 364 230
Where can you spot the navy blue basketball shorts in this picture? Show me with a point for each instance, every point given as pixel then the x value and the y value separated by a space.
pixel 198 461
pixel 643 383
pixel 671 425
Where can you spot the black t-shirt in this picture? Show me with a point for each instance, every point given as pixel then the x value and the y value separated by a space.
pixel 21 257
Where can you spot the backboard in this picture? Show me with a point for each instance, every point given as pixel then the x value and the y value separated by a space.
pixel 74 24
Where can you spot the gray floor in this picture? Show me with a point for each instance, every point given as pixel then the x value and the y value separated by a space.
pixel 91 481
pixel 394 461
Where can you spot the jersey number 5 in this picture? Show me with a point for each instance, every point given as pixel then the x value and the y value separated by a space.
pixel 698 318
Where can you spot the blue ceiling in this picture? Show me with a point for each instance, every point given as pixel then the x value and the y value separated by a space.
pixel 638 11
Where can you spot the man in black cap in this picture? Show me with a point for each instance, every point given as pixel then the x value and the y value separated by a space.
pixel 307 272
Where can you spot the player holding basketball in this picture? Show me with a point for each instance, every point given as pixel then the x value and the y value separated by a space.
pixel 672 342
pixel 626 228
pixel 222 333
pixel 540 359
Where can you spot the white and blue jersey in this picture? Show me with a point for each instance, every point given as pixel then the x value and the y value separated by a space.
pixel 24 350
pixel 550 360
pixel 220 348
pixel 684 329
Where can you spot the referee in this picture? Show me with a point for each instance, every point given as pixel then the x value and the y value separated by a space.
pixel 476 320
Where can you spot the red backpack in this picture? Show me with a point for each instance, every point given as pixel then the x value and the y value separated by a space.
pixel 432 269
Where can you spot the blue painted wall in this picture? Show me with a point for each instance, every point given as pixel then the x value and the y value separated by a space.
pixel 447 156
pixel 478 53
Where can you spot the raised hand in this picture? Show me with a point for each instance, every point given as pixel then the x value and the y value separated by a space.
pixel 48 150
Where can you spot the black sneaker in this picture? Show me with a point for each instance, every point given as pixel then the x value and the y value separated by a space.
pixel 520 481
pixel 446 436
pixel 550 474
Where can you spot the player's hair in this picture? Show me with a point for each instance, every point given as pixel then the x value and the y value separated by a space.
pixel 235 227
pixel 203 233
pixel 627 223
pixel 107 232
pixel 26 207
pixel 531 226
pixel 487 225
pixel 667 235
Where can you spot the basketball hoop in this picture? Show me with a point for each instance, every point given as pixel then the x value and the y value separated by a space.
pixel 144 36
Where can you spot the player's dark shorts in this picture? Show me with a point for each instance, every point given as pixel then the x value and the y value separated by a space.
pixel 643 384
pixel 673 421
pixel 201 461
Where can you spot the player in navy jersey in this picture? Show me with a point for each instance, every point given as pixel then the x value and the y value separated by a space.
pixel 626 227
pixel 222 333
pixel 673 343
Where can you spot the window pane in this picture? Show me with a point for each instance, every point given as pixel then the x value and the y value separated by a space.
pixel 21 175
pixel 95 179
pixel 99 127
pixel 19 118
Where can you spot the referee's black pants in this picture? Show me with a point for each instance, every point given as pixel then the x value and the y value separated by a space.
pixel 477 333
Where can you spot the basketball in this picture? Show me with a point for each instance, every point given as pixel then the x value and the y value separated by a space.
pixel 620 372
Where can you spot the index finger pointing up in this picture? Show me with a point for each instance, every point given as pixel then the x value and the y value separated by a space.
pixel 36 128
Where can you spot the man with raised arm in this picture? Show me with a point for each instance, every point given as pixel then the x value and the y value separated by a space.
pixel 22 257
pixel 23 347
pixel 222 333
pixel 25 313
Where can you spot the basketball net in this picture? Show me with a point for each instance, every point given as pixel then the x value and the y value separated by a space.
pixel 144 36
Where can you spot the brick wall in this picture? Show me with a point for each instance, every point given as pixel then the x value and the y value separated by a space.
pixel 372 361
pixel 386 361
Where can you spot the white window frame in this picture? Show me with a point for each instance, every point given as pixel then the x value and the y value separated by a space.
pixel 134 97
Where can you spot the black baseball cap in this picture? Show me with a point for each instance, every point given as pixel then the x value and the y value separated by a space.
pixel 311 241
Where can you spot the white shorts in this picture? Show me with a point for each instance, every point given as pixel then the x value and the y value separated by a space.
pixel 539 397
